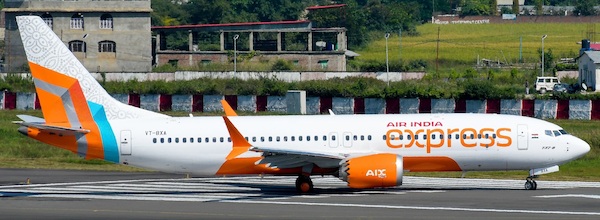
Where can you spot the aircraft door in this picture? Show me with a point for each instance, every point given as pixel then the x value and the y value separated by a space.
pixel 347 139
pixel 333 139
pixel 522 134
pixel 125 142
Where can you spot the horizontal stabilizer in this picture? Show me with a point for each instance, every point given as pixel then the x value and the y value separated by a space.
pixel 40 125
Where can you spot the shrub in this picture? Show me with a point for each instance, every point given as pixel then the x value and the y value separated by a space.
pixel 281 65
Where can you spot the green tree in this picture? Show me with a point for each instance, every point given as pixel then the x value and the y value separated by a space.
pixel 515 7
pixel 165 13
pixel 584 8
pixel 475 7
pixel 548 59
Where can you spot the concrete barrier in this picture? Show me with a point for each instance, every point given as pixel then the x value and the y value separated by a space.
pixel 212 103
pixel 442 105
pixel 545 109
pixel 374 106
pixel 476 106
pixel 313 105
pixel 510 106
pixel 580 109
pixel 25 101
pixel 409 106
pixel 342 105
pixel 181 103
pixel 276 104
pixel 150 102
pixel 123 98
pixel 246 103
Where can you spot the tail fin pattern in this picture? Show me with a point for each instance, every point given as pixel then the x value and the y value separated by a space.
pixel 53 67
pixel 71 99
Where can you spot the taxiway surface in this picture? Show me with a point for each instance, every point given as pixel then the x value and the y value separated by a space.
pixel 59 194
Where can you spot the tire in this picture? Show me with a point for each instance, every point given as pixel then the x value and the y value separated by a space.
pixel 543 91
pixel 529 185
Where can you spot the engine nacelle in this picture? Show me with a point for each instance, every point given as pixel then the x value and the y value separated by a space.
pixel 370 171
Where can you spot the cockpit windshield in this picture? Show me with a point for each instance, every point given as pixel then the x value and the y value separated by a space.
pixel 555 133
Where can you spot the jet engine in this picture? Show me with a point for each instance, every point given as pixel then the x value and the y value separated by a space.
pixel 370 171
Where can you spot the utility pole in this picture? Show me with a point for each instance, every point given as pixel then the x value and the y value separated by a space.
pixel 437 57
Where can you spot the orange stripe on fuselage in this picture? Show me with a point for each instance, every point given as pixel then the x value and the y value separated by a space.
pixel 430 164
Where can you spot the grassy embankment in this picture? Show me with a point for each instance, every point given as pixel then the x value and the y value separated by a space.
pixel 18 151
pixel 461 44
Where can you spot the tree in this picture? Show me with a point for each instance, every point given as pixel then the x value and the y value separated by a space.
pixel 493 7
pixel 515 7
pixel 539 7
pixel 474 7
pixel 584 8
pixel 548 59
pixel 165 13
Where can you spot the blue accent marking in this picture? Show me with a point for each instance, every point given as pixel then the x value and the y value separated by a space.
pixel 109 141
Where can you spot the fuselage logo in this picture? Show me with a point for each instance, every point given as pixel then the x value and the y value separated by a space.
pixel 377 173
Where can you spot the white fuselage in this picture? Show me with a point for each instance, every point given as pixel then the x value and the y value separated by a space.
pixel 473 141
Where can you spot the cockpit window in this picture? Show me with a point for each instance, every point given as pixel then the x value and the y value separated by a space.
pixel 563 132
pixel 556 133
pixel 549 133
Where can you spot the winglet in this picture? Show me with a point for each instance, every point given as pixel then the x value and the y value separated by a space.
pixel 240 144
pixel 228 109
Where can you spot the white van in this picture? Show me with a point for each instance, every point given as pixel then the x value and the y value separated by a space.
pixel 545 83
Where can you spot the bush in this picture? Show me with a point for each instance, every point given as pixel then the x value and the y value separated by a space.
pixel 281 65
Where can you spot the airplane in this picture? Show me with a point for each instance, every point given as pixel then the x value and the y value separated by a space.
pixel 366 151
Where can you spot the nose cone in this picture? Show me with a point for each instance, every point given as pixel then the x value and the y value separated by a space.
pixel 580 148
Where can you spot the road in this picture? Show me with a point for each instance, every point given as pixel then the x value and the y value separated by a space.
pixel 60 194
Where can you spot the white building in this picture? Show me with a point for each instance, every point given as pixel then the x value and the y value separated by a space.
pixel 589 69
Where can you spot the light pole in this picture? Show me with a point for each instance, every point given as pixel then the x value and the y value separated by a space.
pixel 543 54
pixel 235 37
pixel 387 60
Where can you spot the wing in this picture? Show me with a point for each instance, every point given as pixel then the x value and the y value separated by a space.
pixel 286 158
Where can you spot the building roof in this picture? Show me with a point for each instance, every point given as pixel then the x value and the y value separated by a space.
pixel 240 24
pixel 593 55
pixel 325 6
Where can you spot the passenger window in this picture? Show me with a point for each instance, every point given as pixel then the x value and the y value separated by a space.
pixel 293 138
pixel 184 140
pixel 277 138
pixel 347 137
pixel 221 139
pixel 253 139
pixel 408 137
pixel 316 138
pixel 384 137
pixel 362 137
pixel 472 136
pixel 214 140
pixel 456 136
pixel 494 136
pixel 270 139
pixel 169 140
pixel 540 80
pixel 433 137
pixel 191 140
pixel 229 139
pixel 355 138
pixel 247 139
pixel 162 140
pixel 154 140
pixel 368 137
pixel 441 136
pixel 324 137
pixel 479 136
pixel 262 139
pixel 424 137
pixel 416 137
pixel 333 137
pixel 464 136
pixel 307 138
pixel 176 140
pixel 299 138
pixel 284 138
pixel 199 140
pixel 206 140
pixel 401 137
pixel 487 136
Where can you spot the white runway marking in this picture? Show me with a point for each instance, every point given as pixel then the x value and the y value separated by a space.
pixel 253 188
pixel 413 207
pixel 571 196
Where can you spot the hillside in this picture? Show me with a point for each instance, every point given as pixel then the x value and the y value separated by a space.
pixel 464 43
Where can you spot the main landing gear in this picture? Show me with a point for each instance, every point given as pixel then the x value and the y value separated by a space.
pixel 530 184
pixel 304 184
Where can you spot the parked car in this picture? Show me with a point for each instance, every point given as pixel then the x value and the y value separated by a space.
pixel 545 83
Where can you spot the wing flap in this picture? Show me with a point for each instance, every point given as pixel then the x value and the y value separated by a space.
pixel 285 158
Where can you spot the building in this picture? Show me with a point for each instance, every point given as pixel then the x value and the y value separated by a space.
pixel 311 49
pixel 106 36
pixel 589 69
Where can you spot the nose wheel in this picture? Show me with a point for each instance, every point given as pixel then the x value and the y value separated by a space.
pixel 530 184
pixel 304 184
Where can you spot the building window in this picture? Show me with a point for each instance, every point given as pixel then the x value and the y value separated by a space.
pixel 106 21
pixel 77 21
pixel 323 63
pixel 48 19
pixel 107 47
pixel 77 46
